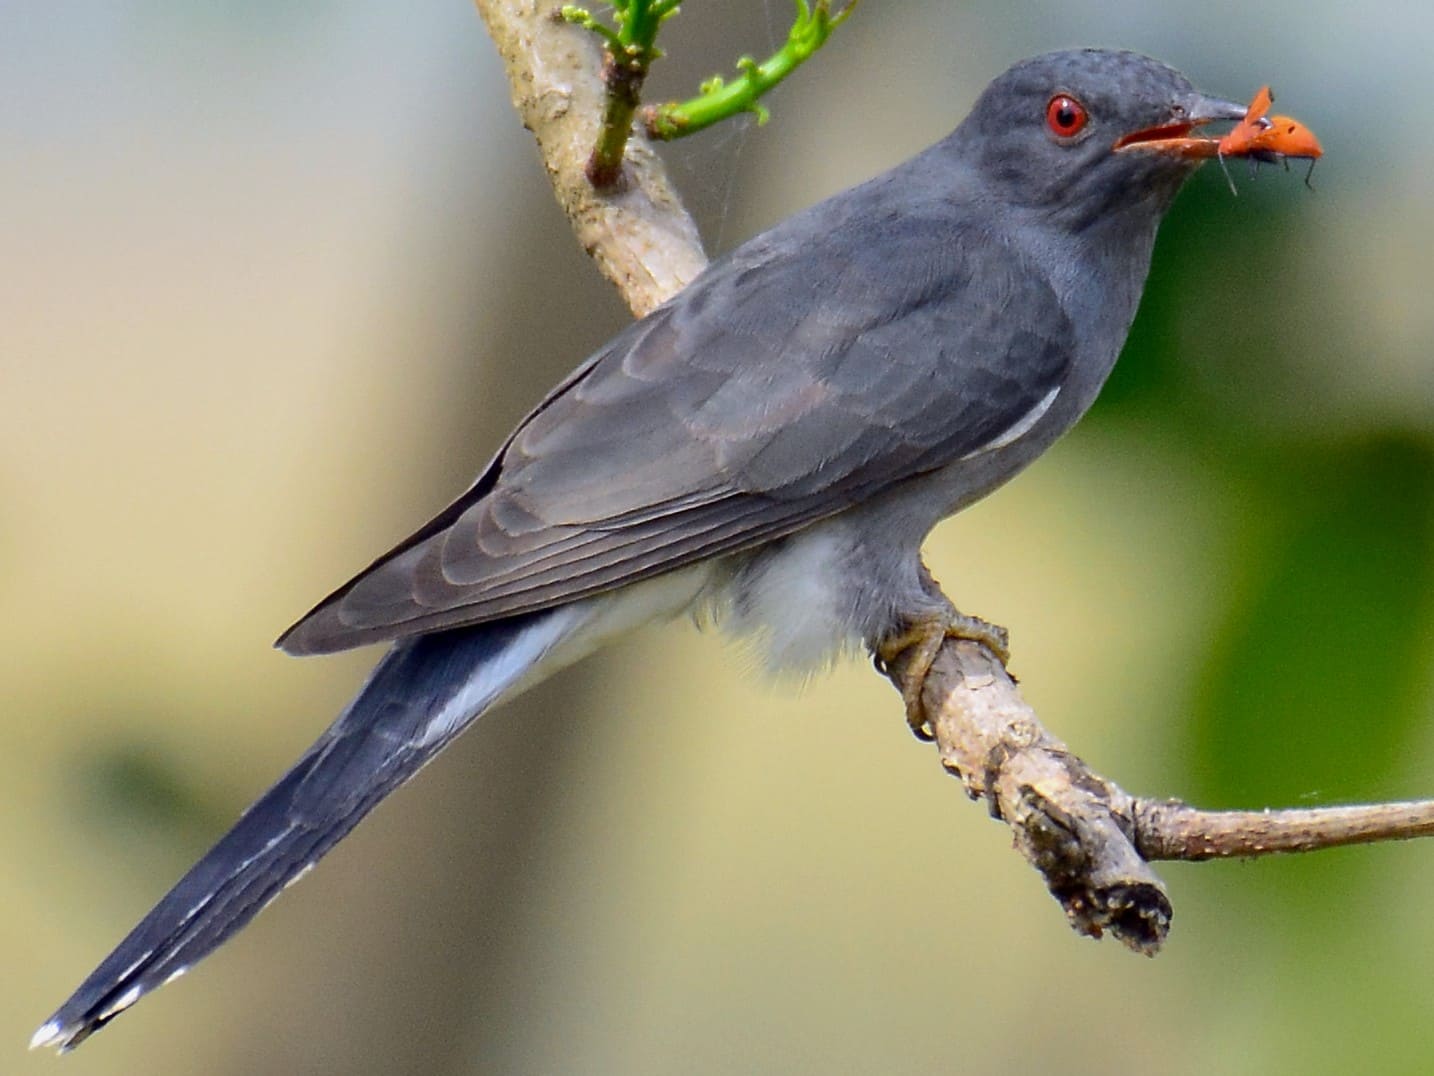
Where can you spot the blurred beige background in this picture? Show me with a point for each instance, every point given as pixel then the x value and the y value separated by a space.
pixel 275 281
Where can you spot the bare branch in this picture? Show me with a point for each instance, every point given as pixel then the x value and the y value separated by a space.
pixel 1067 821
pixel 639 234
pixel 1090 840
pixel 1169 829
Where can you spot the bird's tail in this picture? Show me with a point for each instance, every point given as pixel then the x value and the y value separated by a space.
pixel 423 693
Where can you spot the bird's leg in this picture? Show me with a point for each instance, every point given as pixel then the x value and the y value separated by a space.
pixel 923 635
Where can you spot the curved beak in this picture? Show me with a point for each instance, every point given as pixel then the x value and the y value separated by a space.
pixel 1176 137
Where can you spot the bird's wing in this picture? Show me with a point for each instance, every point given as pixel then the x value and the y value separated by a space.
pixel 782 387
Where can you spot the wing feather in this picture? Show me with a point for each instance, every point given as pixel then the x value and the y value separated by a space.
pixel 787 384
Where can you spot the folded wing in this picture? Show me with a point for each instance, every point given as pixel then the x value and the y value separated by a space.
pixel 782 387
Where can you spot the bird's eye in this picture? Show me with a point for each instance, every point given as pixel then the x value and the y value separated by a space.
pixel 1065 116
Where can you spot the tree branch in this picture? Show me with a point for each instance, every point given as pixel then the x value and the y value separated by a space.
pixel 638 233
pixel 1091 841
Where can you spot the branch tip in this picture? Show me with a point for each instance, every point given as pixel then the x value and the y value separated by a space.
pixel 1092 842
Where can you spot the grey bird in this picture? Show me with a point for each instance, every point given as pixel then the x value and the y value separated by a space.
pixel 771 447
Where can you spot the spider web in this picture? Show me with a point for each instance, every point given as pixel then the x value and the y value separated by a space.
pixel 707 167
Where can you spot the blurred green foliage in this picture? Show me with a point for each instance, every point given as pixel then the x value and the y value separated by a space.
pixel 1318 677
pixel 134 790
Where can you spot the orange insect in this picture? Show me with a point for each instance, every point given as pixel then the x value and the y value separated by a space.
pixel 1241 138
pixel 1274 138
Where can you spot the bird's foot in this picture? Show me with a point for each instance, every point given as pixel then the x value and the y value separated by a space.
pixel 923 637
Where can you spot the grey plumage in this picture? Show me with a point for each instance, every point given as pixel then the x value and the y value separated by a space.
pixel 712 426
pixel 775 442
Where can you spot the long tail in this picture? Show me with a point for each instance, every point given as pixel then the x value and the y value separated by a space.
pixel 423 693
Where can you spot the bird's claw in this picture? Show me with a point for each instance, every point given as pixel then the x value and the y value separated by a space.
pixel 923 638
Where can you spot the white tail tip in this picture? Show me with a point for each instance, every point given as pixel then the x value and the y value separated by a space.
pixel 52 1034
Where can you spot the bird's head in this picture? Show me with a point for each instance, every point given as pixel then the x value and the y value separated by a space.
pixel 1089 134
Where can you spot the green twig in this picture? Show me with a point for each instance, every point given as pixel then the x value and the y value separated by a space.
pixel 631 48
pixel 719 99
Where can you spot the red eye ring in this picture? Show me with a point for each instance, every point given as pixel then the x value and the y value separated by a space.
pixel 1065 116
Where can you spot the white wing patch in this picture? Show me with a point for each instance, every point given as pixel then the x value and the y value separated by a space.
pixel 1022 427
pixel 49 1035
